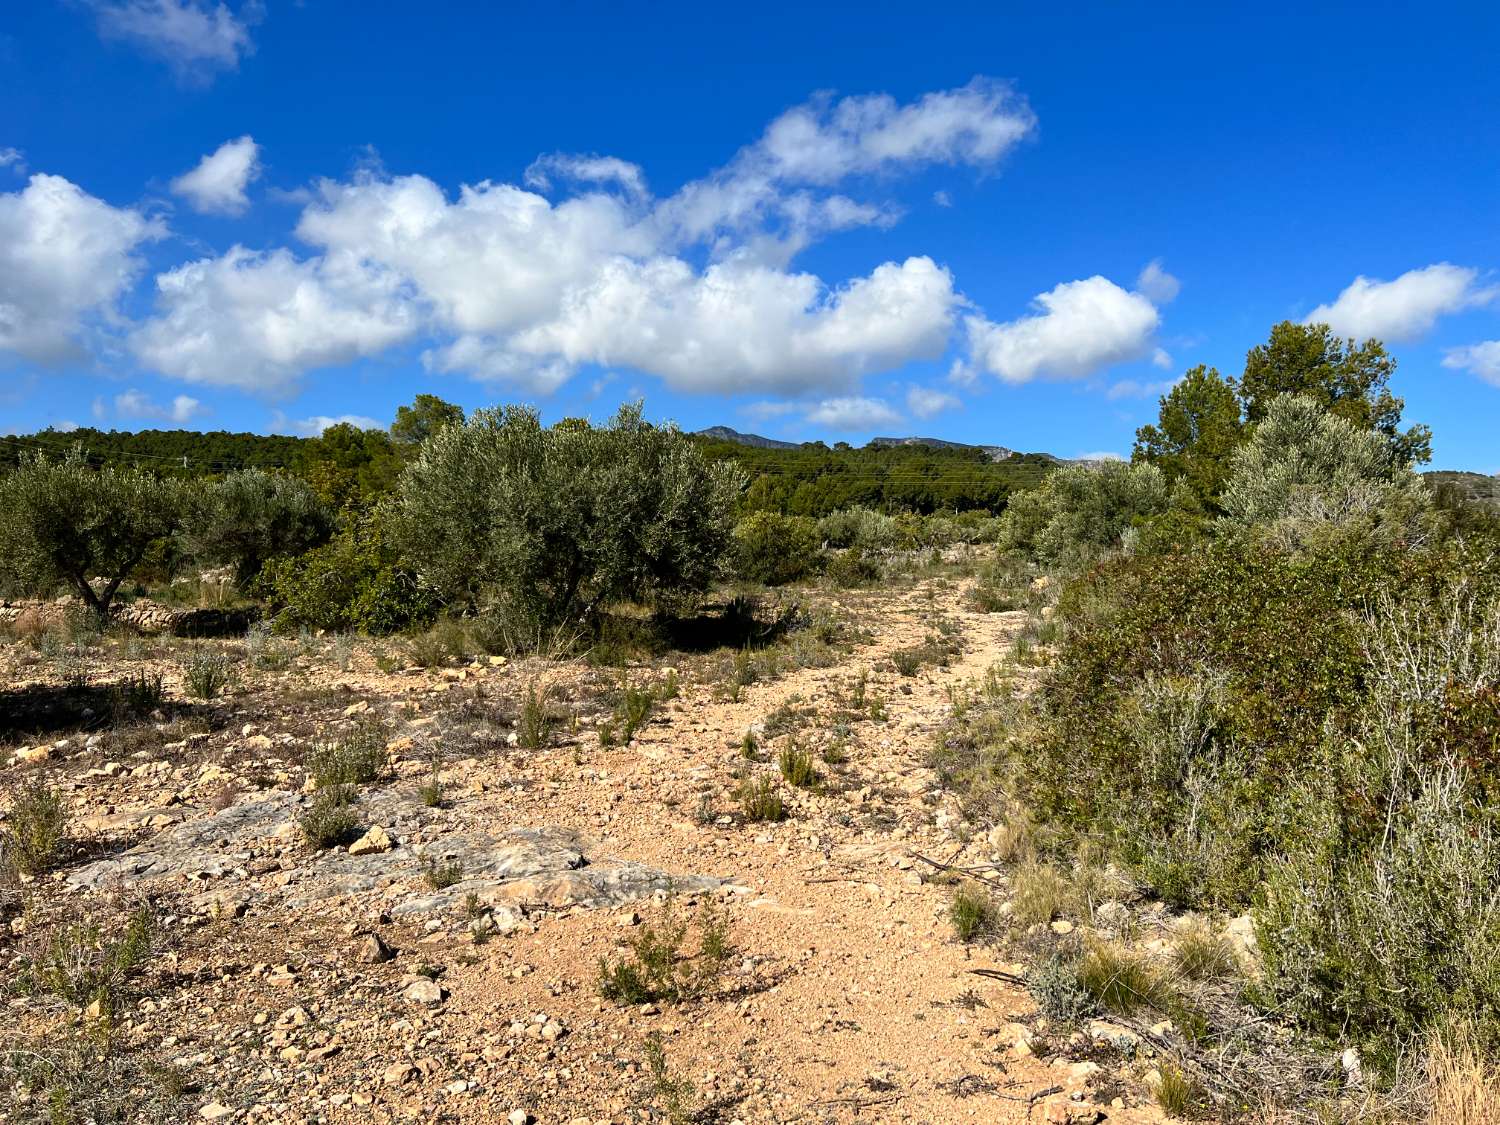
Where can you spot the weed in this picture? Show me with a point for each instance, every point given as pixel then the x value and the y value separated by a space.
pixel 441 876
pixel 207 672
pixel 357 758
pixel 329 821
pixel 633 709
pixel 673 1095
pixel 534 727
pixel 797 766
pixel 1058 991
pixel 836 753
pixel 140 694
pixel 749 747
pixel 1039 894
pixel 972 913
pixel 659 969
pixel 35 832
pixel 80 964
pixel 760 801
pixel 907 660
pixel 431 790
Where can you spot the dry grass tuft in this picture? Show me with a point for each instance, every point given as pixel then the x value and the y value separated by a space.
pixel 1464 1090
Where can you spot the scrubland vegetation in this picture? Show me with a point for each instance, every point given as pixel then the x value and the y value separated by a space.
pixel 1273 689
pixel 1260 680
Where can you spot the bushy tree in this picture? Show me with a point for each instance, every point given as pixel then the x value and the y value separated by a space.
pixel 1080 511
pixel 545 525
pixel 1196 434
pixel 66 523
pixel 1347 379
pixel 1305 467
pixel 427 415
pixel 776 549
pixel 251 516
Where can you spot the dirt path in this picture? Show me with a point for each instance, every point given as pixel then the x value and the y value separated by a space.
pixel 848 998
pixel 875 1014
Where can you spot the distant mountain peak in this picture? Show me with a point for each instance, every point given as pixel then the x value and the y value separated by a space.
pixel 724 433
pixel 993 452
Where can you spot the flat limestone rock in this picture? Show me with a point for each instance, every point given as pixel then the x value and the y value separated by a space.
pixel 549 865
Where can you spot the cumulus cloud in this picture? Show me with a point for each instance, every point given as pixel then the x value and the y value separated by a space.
pixel 1156 284
pixel 503 283
pixel 136 404
pixel 1405 308
pixel 195 37
pixel 1482 359
pixel 216 186
pixel 853 412
pixel 927 402
pixel 1080 327
pixel 257 321
pixel 65 259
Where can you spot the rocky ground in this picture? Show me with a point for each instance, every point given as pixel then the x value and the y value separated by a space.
pixel 445 965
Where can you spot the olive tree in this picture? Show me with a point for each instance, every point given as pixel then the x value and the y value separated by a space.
pixel 67 523
pixel 544 525
pixel 1079 511
pixel 1305 467
pixel 251 516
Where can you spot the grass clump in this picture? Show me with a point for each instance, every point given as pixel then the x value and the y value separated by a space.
pixel 534 727
pixel 207 672
pixel 797 766
pixel 657 966
pixel 761 802
pixel 329 821
pixel 1178 1094
pixel 431 790
pixel 1202 954
pixel 1040 893
pixel 139 694
pixel 1124 982
pixel 36 831
pixel 972 913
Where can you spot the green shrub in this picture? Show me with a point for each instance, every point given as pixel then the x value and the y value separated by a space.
pixel 441 876
pixel 776 549
pixel 357 757
pixel 36 830
pixel 797 767
pixel 760 801
pixel 139 694
pixel 357 581
pixel 207 672
pixel 1081 511
pixel 853 567
pixel 79 963
pixel 1058 992
pixel 659 968
pixel 329 821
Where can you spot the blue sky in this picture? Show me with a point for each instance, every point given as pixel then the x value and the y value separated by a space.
pixel 1009 224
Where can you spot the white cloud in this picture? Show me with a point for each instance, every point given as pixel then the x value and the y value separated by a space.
pixel 1482 359
pixel 942 199
pixel 1135 388
pixel 1405 308
pixel 1081 327
pixel 11 158
pixel 766 411
pixel 257 321
pixel 926 402
pixel 853 413
pixel 217 185
pixel 504 284
pixel 314 426
pixel 136 404
pixel 1156 284
pixel 586 169
pixel 65 259
pixel 1162 359
pixel 195 36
